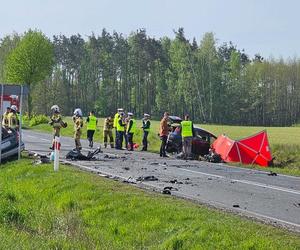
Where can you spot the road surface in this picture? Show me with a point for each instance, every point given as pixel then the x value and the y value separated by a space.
pixel 253 193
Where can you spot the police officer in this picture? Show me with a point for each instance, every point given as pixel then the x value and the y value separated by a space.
pixel 13 121
pixel 120 131
pixel 78 124
pixel 187 133
pixel 56 122
pixel 92 122
pixel 116 120
pixel 146 129
pixel 107 131
pixel 5 117
pixel 131 130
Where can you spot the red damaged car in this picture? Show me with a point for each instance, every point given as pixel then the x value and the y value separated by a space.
pixel 201 140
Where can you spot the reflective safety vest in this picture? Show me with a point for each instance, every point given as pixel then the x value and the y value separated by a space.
pixel 56 121
pixel 186 128
pixel 116 119
pixel 12 120
pixel 92 124
pixel 5 119
pixel 144 123
pixel 119 127
pixel 133 127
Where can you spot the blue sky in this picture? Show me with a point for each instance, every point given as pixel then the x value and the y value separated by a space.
pixel 269 27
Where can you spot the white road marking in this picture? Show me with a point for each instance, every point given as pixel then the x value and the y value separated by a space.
pixel 292 191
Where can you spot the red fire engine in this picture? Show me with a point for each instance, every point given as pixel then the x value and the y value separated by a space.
pixel 9 100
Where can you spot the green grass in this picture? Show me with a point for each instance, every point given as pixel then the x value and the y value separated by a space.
pixel 284 141
pixel 69 209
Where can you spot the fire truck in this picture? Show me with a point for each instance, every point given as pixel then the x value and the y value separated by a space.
pixel 9 100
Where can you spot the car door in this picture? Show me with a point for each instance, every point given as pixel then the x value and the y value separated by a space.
pixel 8 140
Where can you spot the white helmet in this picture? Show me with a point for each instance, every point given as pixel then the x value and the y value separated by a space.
pixel 55 109
pixel 78 112
pixel 13 108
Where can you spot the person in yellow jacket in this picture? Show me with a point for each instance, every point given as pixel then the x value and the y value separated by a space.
pixel 5 117
pixel 13 120
pixel 107 131
pixel 116 120
pixel 78 124
pixel 131 130
pixel 56 122
pixel 187 133
pixel 91 122
pixel 120 131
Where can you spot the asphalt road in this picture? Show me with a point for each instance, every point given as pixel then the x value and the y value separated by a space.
pixel 252 193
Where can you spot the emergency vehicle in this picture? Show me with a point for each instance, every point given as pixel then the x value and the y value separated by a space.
pixel 8 101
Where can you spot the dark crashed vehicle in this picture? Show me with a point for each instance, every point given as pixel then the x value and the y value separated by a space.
pixel 202 138
pixel 10 143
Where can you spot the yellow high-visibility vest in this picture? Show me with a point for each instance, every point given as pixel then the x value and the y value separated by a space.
pixel 92 124
pixel 119 127
pixel 186 128
pixel 133 127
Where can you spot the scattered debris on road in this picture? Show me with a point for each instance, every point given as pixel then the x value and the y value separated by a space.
pixel 175 181
pixel 272 173
pixel 42 159
pixel 147 178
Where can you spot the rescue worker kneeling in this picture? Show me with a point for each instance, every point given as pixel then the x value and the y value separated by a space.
pixel 13 120
pixel 78 124
pixel 131 130
pixel 120 131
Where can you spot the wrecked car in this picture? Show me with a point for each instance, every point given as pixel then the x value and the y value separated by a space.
pixel 10 143
pixel 201 140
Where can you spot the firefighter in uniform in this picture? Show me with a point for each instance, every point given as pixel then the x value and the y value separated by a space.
pixel 5 117
pixel 91 127
pixel 78 124
pixel 116 120
pixel 56 122
pixel 187 133
pixel 120 131
pixel 146 129
pixel 107 131
pixel 131 130
pixel 13 121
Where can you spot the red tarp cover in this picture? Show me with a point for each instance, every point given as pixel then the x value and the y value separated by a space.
pixel 251 150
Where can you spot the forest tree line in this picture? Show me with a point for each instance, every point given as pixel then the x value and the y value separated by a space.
pixel 213 83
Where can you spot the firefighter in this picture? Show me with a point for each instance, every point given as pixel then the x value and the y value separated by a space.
pixel 187 133
pixel 120 131
pixel 146 129
pixel 56 122
pixel 107 131
pixel 92 122
pixel 131 130
pixel 5 117
pixel 78 124
pixel 13 121
pixel 116 119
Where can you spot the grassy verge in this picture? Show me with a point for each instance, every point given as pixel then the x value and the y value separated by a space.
pixel 41 209
pixel 285 142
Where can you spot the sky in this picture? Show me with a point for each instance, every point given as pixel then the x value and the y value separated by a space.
pixel 267 27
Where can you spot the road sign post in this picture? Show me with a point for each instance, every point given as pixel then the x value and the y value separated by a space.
pixel 56 152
